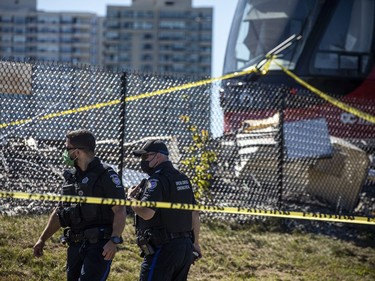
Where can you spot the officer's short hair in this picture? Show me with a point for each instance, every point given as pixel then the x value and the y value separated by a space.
pixel 82 139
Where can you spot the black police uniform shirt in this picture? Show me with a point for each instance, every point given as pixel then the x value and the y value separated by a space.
pixel 167 184
pixel 97 180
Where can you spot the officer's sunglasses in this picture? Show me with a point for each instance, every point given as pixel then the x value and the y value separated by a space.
pixel 70 148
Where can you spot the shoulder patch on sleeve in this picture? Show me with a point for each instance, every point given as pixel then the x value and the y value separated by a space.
pixel 116 180
pixel 152 183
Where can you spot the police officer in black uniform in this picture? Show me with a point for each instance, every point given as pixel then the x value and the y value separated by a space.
pixel 167 237
pixel 92 231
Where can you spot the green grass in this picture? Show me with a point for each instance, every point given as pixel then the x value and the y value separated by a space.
pixel 237 252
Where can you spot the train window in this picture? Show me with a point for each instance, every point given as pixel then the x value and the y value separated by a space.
pixel 261 25
pixel 346 44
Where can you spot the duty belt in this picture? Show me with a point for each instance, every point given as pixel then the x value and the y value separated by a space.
pixel 175 235
pixel 74 237
pixel 92 235
pixel 152 239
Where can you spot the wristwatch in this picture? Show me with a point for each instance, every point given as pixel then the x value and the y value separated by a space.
pixel 117 239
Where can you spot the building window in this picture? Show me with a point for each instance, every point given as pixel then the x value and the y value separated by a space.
pixel 143 25
pixel 5 18
pixel 6 38
pixel 124 57
pixel 144 14
pixel 127 14
pixel 48 19
pixel 112 35
pixel 19 39
pixel 147 36
pixel 147 57
pixel 173 15
pixel 19 49
pixel 147 47
pixel 147 68
pixel 66 19
pixel 171 35
pixel 19 20
pixel 206 37
pixel 66 29
pixel 112 24
pixel 172 24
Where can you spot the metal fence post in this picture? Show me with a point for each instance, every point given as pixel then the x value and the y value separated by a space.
pixel 280 145
pixel 122 120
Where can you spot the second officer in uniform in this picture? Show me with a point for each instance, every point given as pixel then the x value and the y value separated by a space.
pixel 167 237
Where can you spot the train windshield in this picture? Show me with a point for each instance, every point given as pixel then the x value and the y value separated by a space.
pixel 343 40
pixel 344 47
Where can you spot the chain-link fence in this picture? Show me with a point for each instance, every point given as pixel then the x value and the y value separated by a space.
pixel 244 144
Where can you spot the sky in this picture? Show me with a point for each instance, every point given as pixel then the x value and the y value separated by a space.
pixel 223 14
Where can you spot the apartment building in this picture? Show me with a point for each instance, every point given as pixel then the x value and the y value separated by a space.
pixel 159 36
pixel 149 35
pixel 26 33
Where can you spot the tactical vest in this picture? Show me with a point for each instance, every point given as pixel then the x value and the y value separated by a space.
pixel 176 188
pixel 83 215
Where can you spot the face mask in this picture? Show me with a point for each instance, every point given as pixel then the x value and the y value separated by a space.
pixel 145 166
pixel 67 160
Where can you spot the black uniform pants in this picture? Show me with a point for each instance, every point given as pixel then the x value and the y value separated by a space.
pixel 86 262
pixel 171 262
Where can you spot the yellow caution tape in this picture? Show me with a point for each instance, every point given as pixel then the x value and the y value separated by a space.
pixel 62 113
pixel 328 98
pixel 263 71
pixel 191 85
pixel 81 109
pixel 132 98
pixel 14 123
pixel 180 206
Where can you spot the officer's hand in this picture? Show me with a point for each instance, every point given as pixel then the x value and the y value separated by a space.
pixel 132 192
pixel 109 250
pixel 197 249
pixel 38 248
